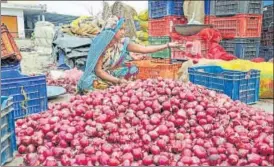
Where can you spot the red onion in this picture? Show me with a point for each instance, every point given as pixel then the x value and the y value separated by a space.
pixel 50 161
pixel 147 160
pixel 81 159
pixel 22 149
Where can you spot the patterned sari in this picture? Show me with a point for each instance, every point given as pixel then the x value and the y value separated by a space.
pixel 114 63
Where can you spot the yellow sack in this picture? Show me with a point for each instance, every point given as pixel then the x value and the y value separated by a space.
pixel 266 68
pixel 144 25
pixel 86 26
pixel 143 15
pixel 142 35
pixel 76 22
pixel 135 18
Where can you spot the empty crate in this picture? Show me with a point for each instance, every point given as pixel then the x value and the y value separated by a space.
pixel 233 7
pixel 267 37
pixel 158 9
pixel 29 92
pixel 242 48
pixel 8 45
pixel 238 26
pixel 164 26
pixel 238 85
pixel 7 131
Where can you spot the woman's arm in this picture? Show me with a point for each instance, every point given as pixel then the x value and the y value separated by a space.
pixel 104 75
pixel 133 47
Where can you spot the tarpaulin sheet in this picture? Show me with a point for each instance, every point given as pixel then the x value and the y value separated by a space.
pixel 72 46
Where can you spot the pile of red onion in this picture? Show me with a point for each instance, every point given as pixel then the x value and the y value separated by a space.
pixel 151 122
pixel 68 80
pixel 67 84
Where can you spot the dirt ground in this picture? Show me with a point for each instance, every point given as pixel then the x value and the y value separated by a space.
pixel 34 63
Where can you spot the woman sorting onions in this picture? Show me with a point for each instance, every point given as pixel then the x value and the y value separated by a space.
pixel 110 68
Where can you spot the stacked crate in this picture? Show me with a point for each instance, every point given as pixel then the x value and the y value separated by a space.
pixel 29 93
pixel 240 23
pixel 10 54
pixel 7 131
pixel 267 46
pixel 163 15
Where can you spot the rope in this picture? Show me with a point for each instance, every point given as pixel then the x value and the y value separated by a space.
pixel 24 103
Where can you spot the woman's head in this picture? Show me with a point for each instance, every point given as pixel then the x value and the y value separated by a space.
pixel 112 23
pixel 120 33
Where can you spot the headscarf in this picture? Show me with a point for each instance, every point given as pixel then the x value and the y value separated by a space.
pixel 111 22
pixel 114 23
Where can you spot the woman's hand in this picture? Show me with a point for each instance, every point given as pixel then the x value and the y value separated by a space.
pixel 174 45
pixel 144 57
pixel 122 81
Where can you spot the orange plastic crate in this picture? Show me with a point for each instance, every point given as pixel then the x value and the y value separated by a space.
pixel 8 45
pixel 164 26
pixel 152 69
pixel 238 26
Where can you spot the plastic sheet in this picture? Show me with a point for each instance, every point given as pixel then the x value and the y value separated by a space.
pixel 194 11
pixel 216 51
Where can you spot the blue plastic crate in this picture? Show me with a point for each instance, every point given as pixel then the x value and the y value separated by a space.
pixel 268 2
pixel 29 93
pixel 207 7
pixel 7 131
pixel 158 9
pixel 243 48
pixel 266 52
pixel 14 66
pixel 238 85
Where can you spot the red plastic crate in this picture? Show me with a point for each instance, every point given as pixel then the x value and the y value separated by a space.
pixel 164 26
pixel 238 26
pixel 200 49
pixel 8 45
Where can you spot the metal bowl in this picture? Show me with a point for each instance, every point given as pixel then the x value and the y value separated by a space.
pixel 55 91
pixel 190 29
